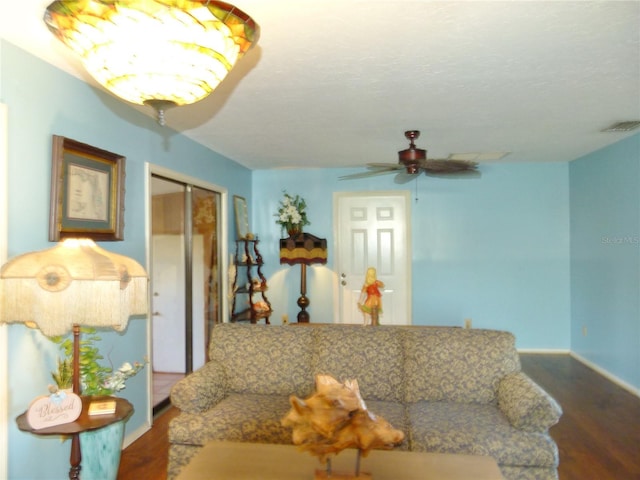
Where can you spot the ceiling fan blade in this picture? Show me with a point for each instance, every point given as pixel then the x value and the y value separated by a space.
pixel 389 166
pixel 447 166
pixel 455 175
pixel 370 173
pixel 404 177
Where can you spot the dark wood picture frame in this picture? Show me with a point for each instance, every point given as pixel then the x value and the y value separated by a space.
pixel 87 192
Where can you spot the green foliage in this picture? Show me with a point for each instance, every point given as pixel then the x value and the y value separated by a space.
pixel 64 375
pixel 96 379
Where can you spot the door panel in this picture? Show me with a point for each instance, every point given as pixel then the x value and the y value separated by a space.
pixel 373 231
pixel 168 304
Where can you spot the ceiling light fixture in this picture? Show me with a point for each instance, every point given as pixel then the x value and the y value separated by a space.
pixel 161 53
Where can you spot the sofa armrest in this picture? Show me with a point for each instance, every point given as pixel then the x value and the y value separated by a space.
pixel 526 405
pixel 200 390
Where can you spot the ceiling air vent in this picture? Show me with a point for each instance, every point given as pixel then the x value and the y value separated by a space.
pixel 623 126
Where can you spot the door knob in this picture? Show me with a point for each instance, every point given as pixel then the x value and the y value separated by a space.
pixel 343 282
pixel 343 275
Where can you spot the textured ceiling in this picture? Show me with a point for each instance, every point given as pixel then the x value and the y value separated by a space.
pixel 336 83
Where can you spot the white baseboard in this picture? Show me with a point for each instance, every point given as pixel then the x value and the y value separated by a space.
pixel 135 435
pixel 545 351
pixel 618 381
pixel 608 375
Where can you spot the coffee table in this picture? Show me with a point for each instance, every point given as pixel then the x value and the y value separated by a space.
pixel 258 461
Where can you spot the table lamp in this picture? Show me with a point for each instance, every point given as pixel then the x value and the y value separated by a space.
pixel 75 283
pixel 303 249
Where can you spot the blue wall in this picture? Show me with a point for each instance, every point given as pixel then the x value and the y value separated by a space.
pixel 43 101
pixel 495 249
pixel 605 258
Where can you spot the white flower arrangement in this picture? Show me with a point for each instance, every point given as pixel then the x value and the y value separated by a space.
pixel 116 381
pixel 292 215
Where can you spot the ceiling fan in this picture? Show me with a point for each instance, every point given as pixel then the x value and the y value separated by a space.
pixel 412 161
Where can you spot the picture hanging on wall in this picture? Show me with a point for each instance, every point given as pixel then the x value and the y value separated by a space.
pixel 242 217
pixel 87 192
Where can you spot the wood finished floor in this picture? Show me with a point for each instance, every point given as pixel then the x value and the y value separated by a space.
pixel 162 383
pixel 598 434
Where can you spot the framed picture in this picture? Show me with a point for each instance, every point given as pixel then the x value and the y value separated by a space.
pixel 242 216
pixel 87 192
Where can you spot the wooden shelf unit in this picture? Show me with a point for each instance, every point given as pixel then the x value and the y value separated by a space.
pixel 248 262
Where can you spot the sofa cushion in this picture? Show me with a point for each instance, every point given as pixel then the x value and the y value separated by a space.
pixel 457 365
pixel 477 429
pixel 264 359
pixel 238 418
pixel 373 356
pixel 394 413
pixel 529 473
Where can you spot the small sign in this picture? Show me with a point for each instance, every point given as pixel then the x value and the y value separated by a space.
pixel 56 409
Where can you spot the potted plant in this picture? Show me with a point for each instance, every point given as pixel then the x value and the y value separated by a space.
pixel 63 376
pixel 101 448
pixel 95 379
pixel 292 214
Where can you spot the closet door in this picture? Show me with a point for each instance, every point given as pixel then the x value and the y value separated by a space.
pixel 186 277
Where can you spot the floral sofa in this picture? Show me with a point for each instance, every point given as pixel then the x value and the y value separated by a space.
pixel 450 390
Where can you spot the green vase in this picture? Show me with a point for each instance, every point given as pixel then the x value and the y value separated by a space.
pixel 101 451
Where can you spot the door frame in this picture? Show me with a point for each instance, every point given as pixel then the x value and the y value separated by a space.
pixel 406 194
pixel 4 210
pixel 150 170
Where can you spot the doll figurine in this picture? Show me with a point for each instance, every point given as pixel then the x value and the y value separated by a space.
pixel 370 302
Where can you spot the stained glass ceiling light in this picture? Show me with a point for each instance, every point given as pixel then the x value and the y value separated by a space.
pixel 154 52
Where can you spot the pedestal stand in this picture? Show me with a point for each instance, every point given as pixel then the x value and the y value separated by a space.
pixel 84 422
pixel 303 301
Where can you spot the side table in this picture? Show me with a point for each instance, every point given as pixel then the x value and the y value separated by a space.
pixel 83 423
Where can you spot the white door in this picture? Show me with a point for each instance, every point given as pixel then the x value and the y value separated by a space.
pixel 372 230
pixel 168 304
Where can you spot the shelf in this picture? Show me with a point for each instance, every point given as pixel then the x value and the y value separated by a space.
pixel 250 282
pixel 251 290
pixel 245 316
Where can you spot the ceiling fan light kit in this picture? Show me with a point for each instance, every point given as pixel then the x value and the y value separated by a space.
pixel 412 155
pixel 160 53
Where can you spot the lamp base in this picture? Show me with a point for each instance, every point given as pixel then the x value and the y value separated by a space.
pixel 303 315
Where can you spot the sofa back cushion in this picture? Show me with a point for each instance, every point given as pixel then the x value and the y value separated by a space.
pixel 264 359
pixel 372 355
pixel 457 365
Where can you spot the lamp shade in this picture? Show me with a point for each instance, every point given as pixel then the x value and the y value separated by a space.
pixel 74 282
pixel 154 52
pixel 303 248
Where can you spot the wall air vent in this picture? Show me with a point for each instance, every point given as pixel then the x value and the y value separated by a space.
pixel 623 126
